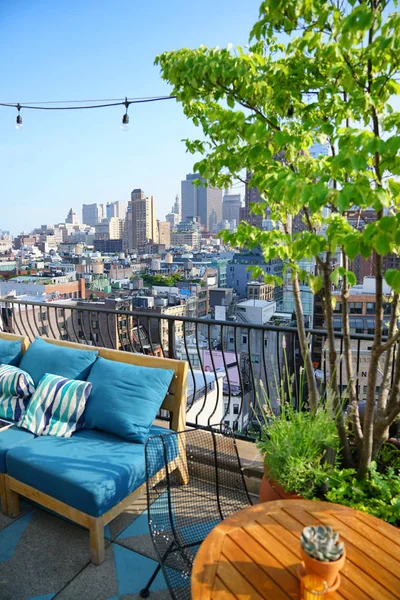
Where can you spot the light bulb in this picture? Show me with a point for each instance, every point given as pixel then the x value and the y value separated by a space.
pixel 125 122
pixel 18 122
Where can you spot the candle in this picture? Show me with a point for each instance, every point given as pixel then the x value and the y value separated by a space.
pixel 313 587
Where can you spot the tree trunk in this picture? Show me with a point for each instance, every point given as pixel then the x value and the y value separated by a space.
pixel 369 416
pixel 348 356
pixel 312 384
pixel 333 384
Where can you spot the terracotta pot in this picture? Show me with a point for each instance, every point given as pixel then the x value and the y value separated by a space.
pixel 271 490
pixel 324 569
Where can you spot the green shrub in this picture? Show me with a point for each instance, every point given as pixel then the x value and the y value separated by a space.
pixel 378 494
pixel 294 445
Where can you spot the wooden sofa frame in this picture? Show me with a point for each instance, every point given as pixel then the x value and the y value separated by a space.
pixel 174 402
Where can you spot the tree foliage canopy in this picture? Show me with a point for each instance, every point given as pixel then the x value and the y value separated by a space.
pixel 315 71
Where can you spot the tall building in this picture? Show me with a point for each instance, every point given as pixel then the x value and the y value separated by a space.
pixel 177 208
pixel 110 229
pixel 201 201
pixel 231 205
pixel 187 233
pixel 172 219
pixel 164 233
pixel 251 196
pixel 116 209
pixel 141 220
pixel 92 214
pixel 72 218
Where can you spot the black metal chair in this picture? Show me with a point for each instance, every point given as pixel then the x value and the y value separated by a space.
pixel 204 486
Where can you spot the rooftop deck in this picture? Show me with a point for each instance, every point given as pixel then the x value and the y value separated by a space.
pixel 43 556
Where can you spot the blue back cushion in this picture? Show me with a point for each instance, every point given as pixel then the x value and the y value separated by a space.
pixel 42 357
pixel 125 398
pixel 10 352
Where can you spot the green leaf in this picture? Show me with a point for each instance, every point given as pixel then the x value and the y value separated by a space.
pixel 392 278
pixel 382 244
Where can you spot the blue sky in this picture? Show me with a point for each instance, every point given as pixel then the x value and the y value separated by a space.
pixel 89 49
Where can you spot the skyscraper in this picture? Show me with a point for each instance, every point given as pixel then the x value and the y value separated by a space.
pixel 92 214
pixel 164 233
pixel 202 201
pixel 72 218
pixel 177 208
pixel 231 205
pixel 116 209
pixel 141 220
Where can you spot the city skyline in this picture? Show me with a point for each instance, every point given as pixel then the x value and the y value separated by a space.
pixel 65 159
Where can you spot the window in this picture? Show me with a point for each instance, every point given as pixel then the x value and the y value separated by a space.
pixel 244 339
pixel 43 330
pixel 370 308
pixel 364 389
pixel 227 424
pixel 359 326
pixel 42 317
pixel 255 358
pixel 377 389
pixel 387 308
pixel 235 426
pixel 226 408
pixel 231 340
pixel 236 409
pixel 95 323
pixel 355 308
pixel 338 307
pixel 265 343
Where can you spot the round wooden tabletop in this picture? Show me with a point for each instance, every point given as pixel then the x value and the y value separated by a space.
pixel 255 553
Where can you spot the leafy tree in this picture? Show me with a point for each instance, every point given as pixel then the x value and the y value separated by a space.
pixel 260 109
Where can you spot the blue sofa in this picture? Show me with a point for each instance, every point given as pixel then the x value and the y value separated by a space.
pixel 94 475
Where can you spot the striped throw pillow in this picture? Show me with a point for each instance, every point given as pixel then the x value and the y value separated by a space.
pixel 57 406
pixel 16 387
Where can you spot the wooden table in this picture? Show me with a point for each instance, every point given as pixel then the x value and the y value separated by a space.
pixel 255 553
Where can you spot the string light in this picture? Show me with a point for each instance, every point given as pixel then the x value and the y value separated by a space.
pixel 18 120
pixel 125 118
pixel 82 106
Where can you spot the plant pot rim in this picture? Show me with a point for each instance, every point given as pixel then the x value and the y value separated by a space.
pixel 340 561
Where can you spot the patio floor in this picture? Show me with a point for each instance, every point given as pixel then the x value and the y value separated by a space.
pixel 43 556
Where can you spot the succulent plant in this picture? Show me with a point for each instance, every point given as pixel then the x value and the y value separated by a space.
pixel 321 543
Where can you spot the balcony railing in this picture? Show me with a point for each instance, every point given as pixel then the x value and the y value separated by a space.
pixel 229 362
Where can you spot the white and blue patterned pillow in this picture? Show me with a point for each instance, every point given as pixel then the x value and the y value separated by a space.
pixel 16 387
pixel 57 406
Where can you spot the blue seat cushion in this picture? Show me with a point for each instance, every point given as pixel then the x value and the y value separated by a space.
pixel 10 352
pixel 43 357
pixel 12 438
pixel 91 471
pixel 125 398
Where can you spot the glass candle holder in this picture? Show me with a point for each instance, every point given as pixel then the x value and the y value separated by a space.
pixel 313 587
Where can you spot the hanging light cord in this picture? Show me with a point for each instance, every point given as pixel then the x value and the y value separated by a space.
pixel 125 102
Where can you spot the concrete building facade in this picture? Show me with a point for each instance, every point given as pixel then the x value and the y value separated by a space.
pixel 92 214
pixel 201 201
pixel 141 220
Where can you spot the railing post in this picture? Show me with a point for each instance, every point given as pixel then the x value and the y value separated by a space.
pixel 171 339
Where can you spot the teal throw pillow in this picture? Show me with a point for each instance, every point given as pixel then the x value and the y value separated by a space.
pixel 57 406
pixel 125 398
pixel 10 352
pixel 16 387
pixel 43 357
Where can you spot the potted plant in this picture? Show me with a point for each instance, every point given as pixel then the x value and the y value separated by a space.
pixel 323 555
pixel 295 445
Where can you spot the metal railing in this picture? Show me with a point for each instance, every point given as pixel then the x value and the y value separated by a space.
pixel 232 366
